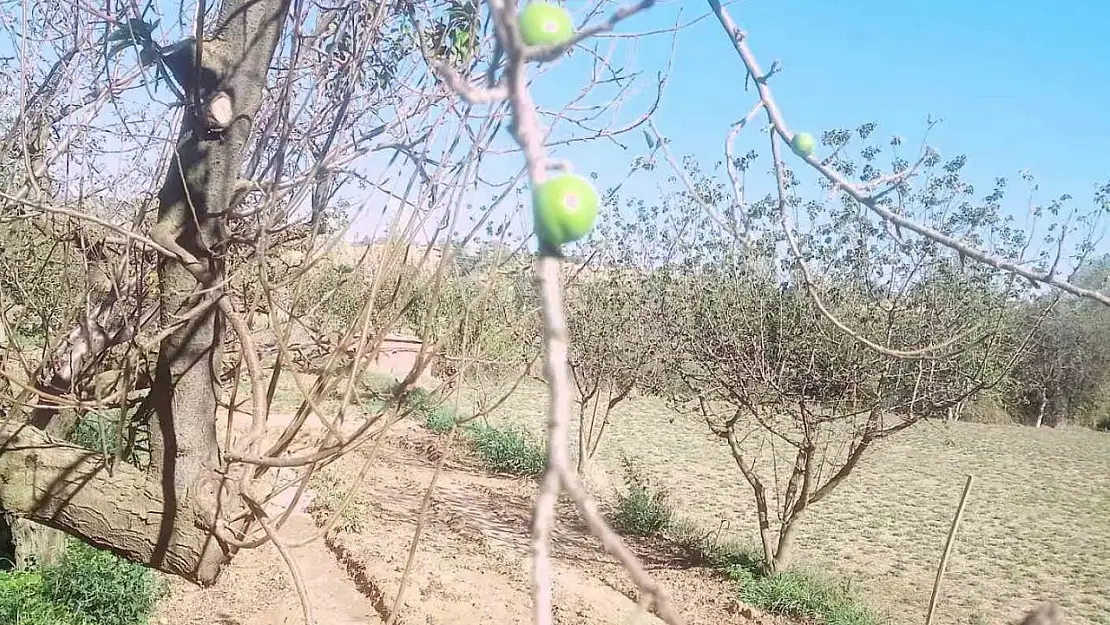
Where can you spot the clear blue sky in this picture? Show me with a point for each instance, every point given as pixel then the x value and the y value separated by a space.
pixel 1024 83
pixel 1020 84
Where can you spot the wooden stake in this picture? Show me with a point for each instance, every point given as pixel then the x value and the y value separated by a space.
pixel 948 544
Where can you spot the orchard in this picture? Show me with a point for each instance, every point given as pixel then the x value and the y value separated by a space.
pixel 223 224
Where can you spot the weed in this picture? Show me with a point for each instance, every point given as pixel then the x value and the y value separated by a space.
pixel 507 450
pixel 101 587
pixel 96 433
pixel 99 432
pixel 23 600
pixel 422 402
pixel 440 420
pixel 799 594
pixel 642 510
pixel 329 494
pixel 707 549
pixel 87 587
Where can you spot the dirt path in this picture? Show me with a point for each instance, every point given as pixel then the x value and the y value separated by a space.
pixel 257 588
pixel 473 561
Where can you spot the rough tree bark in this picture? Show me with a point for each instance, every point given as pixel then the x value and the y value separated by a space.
pixel 164 520
pixel 68 488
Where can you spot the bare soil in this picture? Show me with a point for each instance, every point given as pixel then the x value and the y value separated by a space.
pixel 472 563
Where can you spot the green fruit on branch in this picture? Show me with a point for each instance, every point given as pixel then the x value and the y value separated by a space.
pixel 803 144
pixel 564 209
pixel 545 24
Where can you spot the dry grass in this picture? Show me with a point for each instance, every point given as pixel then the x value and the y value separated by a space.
pixel 1034 530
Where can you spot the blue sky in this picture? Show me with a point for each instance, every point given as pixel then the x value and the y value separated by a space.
pixel 1022 84
pixel 1018 84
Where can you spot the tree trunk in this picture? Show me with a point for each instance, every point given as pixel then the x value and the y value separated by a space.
pixel 1042 408
pixel 103 326
pixel 586 419
pixel 30 543
pixel 194 203
pixel 766 539
pixel 955 412
pixel 166 521
pixel 68 488
pixel 784 551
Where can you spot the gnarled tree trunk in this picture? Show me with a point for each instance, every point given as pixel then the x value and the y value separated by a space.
pixel 165 520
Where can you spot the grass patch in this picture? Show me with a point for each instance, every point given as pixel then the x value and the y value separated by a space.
pixel 24 599
pixel 642 509
pixel 506 449
pixel 440 420
pixel 897 507
pixel 422 402
pixel 100 433
pixel 96 433
pixel 502 449
pixel 707 549
pixel 87 587
pixel 800 594
pixel 329 493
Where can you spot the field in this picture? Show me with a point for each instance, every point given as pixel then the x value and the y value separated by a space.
pixel 1034 529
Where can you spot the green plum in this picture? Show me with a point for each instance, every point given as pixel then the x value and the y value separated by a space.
pixel 564 209
pixel 545 24
pixel 803 144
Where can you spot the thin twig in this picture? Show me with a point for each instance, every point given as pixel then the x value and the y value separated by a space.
pixel 421 520
pixel 294 570
pixel 739 41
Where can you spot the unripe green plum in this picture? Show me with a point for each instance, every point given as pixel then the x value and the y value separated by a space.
pixel 803 144
pixel 564 209
pixel 545 24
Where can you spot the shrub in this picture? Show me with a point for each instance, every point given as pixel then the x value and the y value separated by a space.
pixel 87 587
pixel 99 433
pixel 800 595
pixel 23 600
pixel 507 450
pixel 642 510
pixel 96 433
pixel 99 587
pixel 422 402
